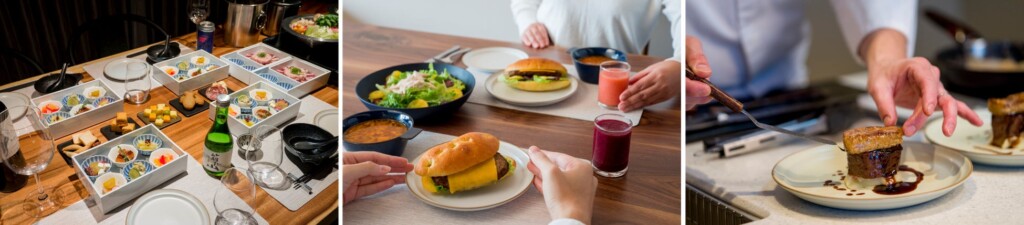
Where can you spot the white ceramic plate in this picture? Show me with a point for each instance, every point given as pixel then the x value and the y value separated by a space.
pixel 14 99
pixel 168 206
pixel 503 92
pixel 493 59
pixel 973 141
pixel 804 173
pixel 116 69
pixel 327 119
pixel 504 191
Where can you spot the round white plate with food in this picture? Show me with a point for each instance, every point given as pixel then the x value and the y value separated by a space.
pixel 15 99
pixel 807 174
pixel 493 59
pixel 497 88
pixel 118 71
pixel 168 206
pixel 490 196
pixel 973 141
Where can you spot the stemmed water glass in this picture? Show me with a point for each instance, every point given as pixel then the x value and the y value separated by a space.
pixel 229 210
pixel 28 149
pixel 263 150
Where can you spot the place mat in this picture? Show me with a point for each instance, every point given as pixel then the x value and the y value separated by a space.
pixel 194 181
pixel 582 105
pixel 96 71
pixel 293 199
pixel 380 208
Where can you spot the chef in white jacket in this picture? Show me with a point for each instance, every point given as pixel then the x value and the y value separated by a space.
pixel 755 47
pixel 622 25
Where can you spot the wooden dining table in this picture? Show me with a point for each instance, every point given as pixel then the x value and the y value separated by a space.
pixel 189 134
pixel 648 194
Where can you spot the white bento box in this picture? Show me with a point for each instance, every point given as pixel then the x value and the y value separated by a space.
pixel 134 187
pixel 189 83
pixel 249 71
pixel 276 119
pixel 75 123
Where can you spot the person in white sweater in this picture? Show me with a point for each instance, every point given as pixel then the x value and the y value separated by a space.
pixel 622 25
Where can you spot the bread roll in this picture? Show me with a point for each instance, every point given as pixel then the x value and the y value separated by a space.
pixel 457 155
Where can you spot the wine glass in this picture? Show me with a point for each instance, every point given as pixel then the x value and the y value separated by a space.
pixel 231 211
pixel 137 82
pixel 198 10
pixel 263 150
pixel 29 149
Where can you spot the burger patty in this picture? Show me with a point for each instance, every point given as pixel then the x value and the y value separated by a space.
pixel 499 162
pixel 528 75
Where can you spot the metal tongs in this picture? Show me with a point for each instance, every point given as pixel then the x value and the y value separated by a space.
pixel 737 106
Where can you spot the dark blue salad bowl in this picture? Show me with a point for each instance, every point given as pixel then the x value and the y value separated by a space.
pixel 369 84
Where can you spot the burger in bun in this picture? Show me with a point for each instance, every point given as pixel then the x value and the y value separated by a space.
pixel 468 162
pixel 536 74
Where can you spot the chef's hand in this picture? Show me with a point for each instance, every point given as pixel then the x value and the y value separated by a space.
pixel 366 173
pixel 536 36
pixel 895 80
pixel 696 92
pixel 567 183
pixel 654 84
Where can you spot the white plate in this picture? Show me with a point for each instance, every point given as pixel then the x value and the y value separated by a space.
pixel 804 173
pixel 494 195
pixel 971 141
pixel 14 99
pixel 116 69
pixel 493 59
pixel 168 206
pixel 503 92
pixel 327 119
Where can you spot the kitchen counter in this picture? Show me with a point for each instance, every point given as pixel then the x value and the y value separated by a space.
pixel 992 195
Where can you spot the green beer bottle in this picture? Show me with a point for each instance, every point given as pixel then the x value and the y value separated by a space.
pixel 217 151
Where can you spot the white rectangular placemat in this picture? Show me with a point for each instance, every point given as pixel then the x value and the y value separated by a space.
pixel 581 106
pixel 293 199
pixel 194 181
pixel 96 71
pixel 397 205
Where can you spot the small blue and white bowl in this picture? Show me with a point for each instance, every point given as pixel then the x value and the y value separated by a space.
pixel 244 109
pixel 131 165
pixel 53 118
pixel 181 76
pixel 104 166
pixel 138 141
pixel 269 76
pixel 285 86
pixel 96 104
pixel 243 117
pixel 64 101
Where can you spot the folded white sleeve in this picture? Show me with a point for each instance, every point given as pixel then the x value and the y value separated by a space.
pixel 861 17
pixel 566 221
pixel 525 13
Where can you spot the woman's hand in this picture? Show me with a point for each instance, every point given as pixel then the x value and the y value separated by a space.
pixel 536 36
pixel 366 173
pixel 567 183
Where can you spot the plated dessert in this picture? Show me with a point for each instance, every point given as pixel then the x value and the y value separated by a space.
pixel 120 124
pixel 1007 120
pixel 873 159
